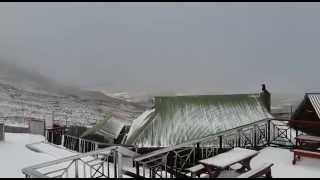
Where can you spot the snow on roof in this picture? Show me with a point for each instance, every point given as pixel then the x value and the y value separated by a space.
pixel 110 127
pixel 179 119
pixel 315 101
pixel 138 125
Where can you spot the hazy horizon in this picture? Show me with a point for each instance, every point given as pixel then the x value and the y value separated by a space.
pixel 167 47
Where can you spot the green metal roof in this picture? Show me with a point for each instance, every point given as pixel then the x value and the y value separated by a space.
pixel 178 119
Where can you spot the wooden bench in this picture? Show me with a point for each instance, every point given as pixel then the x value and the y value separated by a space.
pixel 216 164
pixel 297 153
pixel 264 169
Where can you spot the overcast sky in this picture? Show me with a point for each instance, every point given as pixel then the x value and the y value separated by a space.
pixel 220 47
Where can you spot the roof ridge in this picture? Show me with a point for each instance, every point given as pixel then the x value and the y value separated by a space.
pixel 212 95
pixel 312 93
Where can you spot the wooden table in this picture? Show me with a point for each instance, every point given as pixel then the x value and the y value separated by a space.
pixel 306 140
pixel 215 165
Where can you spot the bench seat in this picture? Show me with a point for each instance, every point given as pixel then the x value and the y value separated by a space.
pixel 297 153
pixel 264 169
pixel 196 170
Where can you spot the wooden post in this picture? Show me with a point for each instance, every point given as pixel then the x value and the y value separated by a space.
pixel 220 144
pixel 198 152
pixel 137 168
pixel 62 140
pixel 296 129
pixel 52 136
pixel 3 132
pixel 119 158
pixel 239 138
pixel 268 132
pixel 79 145
pixel 255 136
pixel 115 159
pixel 44 127
pixel 76 169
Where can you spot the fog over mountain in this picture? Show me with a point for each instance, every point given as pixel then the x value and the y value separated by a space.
pixel 167 47
pixel 27 93
pixel 137 50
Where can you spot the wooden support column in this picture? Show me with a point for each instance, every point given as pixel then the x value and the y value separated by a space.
pixel 120 164
pixel 220 144
pixel 268 132
pixel 239 138
pixel 76 169
pixel 137 168
pixel 255 127
pixel 62 140
pixel 197 152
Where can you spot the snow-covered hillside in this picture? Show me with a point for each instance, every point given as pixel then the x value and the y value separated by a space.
pixel 24 93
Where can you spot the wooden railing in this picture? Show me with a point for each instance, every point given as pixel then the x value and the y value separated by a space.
pixel 171 161
pixel 103 163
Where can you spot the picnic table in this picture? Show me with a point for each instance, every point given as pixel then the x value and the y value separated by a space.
pixel 307 140
pixel 215 165
pixel 307 146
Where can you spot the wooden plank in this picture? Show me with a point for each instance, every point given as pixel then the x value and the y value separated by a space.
pixel 308 138
pixel 257 172
pixel 306 153
pixel 196 168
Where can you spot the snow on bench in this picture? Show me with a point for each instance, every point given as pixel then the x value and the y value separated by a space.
pixel 229 158
pixel 308 138
pixel 264 169
pixel 196 170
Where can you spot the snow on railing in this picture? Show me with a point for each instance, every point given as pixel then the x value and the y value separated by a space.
pixel 171 161
pixel 106 163
pixel 57 137
pixel 175 159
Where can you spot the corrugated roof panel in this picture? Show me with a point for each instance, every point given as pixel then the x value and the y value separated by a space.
pixel 315 101
pixel 138 125
pixel 113 126
pixel 110 128
pixel 181 118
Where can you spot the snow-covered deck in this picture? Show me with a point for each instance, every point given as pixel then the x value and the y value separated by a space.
pixel 283 168
pixel 14 156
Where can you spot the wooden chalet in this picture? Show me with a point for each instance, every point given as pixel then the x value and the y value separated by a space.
pixel 306 117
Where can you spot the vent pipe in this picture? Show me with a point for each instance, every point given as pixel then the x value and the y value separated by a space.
pixel 266 97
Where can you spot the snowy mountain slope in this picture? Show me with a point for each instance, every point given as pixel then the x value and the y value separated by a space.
pixel 26 93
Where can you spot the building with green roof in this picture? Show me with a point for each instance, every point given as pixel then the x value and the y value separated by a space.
pixel 178 119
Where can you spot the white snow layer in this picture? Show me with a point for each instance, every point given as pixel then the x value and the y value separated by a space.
pixel 283 168
pixel 14 155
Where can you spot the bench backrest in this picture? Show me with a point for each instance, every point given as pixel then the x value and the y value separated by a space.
pixel 257 172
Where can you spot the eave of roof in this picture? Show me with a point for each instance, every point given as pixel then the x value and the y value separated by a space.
pixel 315 101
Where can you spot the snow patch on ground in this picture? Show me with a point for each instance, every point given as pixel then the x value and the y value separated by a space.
pixel 14 155
pixel 283 168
